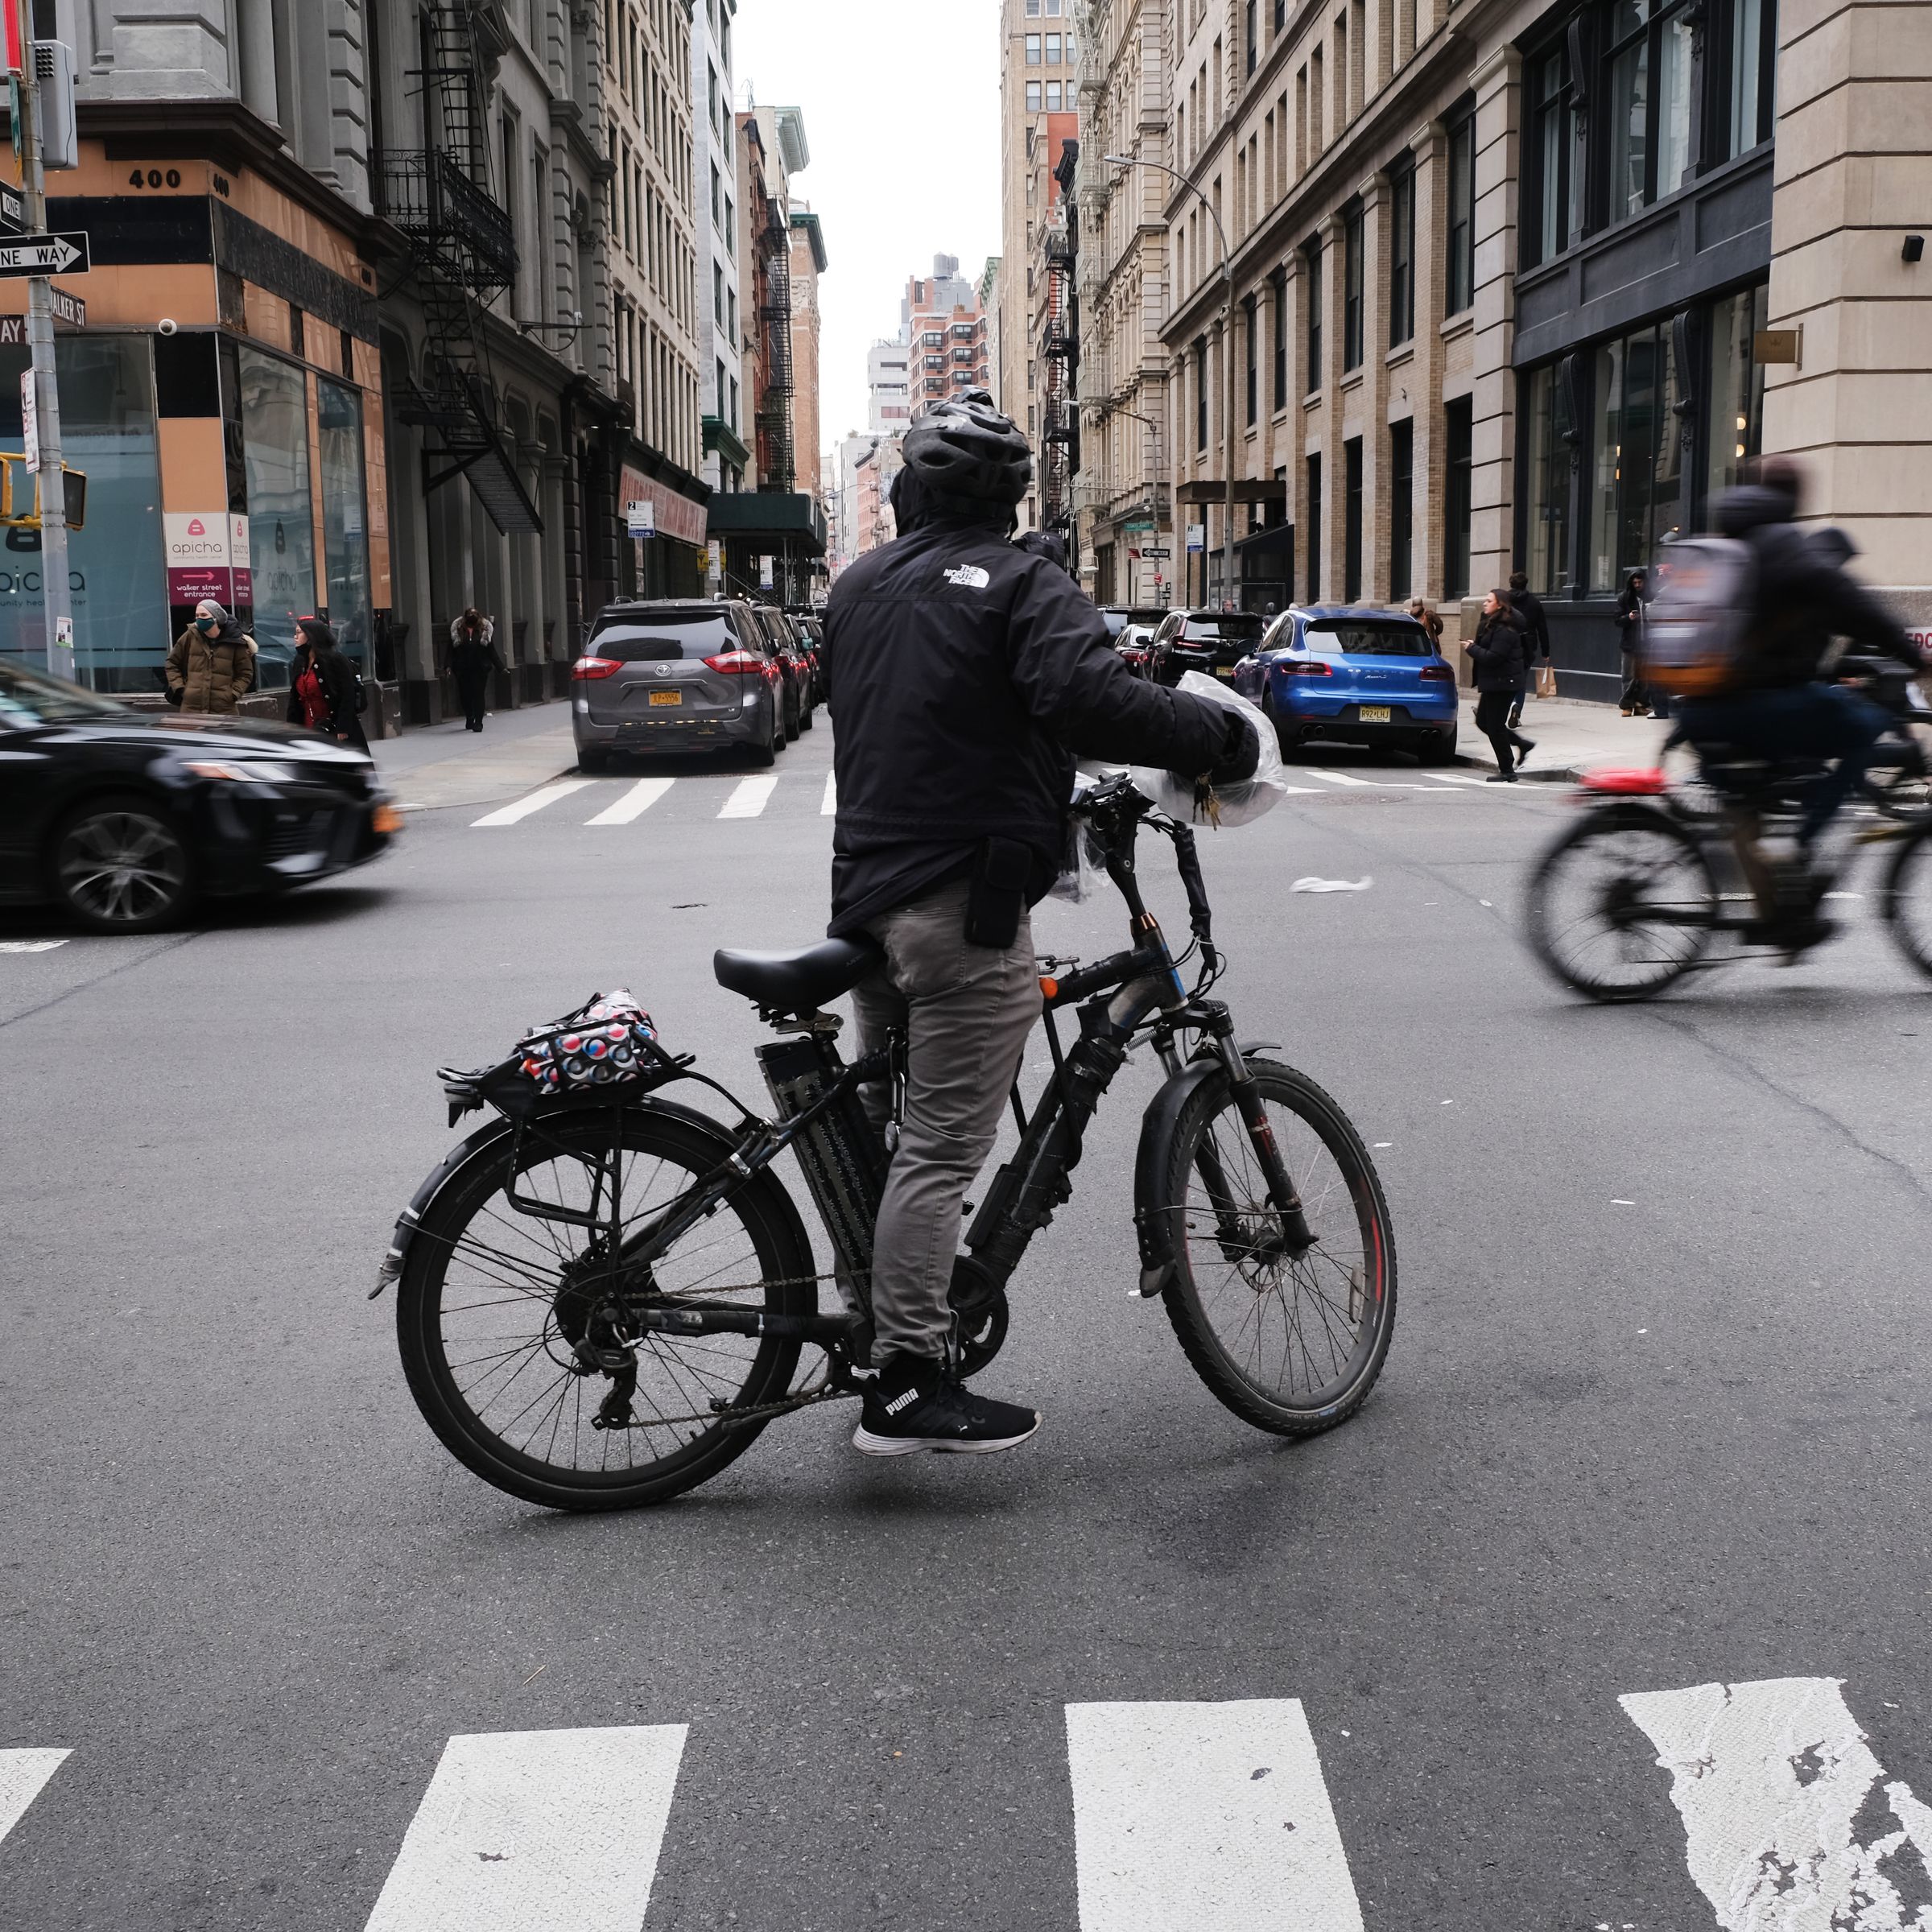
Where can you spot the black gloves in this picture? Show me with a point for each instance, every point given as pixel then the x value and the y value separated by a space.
pixel 1240 752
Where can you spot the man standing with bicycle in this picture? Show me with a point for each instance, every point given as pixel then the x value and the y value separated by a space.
pixel 964 676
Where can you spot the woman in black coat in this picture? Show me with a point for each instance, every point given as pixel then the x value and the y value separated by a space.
pixel 1630 639
pixel 1501 655
pixel 334 682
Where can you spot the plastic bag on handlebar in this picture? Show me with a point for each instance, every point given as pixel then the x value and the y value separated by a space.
pixel 1081 873
pixel 1247 799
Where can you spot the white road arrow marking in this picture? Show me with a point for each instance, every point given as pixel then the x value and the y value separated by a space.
pixel 1204 1818
pixel 1774 1781
pixel 547 795
pixel 750 798
pixel 22 1773
pixel 634 802
pixel 529 1831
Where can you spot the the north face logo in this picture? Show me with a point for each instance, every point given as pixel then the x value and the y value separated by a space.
pixel 968 576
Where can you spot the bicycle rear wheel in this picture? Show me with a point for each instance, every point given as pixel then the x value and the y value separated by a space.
pixel 1622 905
pixel 494 1305
pixel 1906 902
pixel 1291 1344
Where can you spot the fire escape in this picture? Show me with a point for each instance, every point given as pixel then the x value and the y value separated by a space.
pixel 778 465
pixel 1060 352
pixel 462 254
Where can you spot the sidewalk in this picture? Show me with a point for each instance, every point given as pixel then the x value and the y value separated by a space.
pixel 445 765
pixel 1571 736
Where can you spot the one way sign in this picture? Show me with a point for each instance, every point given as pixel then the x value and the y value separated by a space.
pixel 45 254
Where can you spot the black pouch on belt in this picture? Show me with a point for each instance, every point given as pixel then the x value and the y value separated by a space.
pixel 998 894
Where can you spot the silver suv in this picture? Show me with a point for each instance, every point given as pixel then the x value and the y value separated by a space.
pixel 672 674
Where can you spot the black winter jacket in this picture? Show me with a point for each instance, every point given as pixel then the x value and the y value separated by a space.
pixel 337 677
pixel 1499 653
pixel 964 675
pixel 1534 625
pixel 1805 598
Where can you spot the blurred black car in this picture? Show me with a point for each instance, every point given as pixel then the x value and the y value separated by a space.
pixel 788 646
pixel 1210 641
pixel 125 818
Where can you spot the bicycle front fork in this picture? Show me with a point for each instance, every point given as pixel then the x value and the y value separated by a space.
pixel 1253 1110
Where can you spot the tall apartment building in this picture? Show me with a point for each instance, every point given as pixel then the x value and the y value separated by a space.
pixel 720 341
pixel 809 261
pixel 946 336
pixel 1039 73
pixel 888 385
pixel 1523 285
pixel 1126 450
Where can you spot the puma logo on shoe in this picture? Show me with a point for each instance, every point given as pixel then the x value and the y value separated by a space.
pixel 969 577
pixel 900 1401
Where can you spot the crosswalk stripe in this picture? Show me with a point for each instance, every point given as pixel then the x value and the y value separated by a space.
pixel 1449 778
pixel 829 803
pixel 633 804
pixel 1334 777
pixel 1770 1778
pixel 1204 1818
pixel 750 798
pixel 528 1831
pixel 547 795
pixel 22 1773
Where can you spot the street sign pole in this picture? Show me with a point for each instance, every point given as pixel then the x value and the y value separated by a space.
pixel 60 656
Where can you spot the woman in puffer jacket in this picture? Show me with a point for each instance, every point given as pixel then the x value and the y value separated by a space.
pixel 211 667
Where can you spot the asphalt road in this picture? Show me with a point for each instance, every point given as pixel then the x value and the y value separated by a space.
pixel 1655 1417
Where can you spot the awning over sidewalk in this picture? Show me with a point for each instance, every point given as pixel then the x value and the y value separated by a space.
pixel 786 523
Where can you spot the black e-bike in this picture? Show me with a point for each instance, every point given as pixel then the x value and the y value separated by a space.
pixel 604 1296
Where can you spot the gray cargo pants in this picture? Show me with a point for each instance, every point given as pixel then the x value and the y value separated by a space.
pixel 966 1011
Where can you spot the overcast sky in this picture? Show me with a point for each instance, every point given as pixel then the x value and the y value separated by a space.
pixel 901 106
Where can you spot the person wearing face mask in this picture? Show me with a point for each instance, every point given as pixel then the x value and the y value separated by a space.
pixel 211 667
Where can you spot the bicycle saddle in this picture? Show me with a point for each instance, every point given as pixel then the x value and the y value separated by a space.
pixel 797 981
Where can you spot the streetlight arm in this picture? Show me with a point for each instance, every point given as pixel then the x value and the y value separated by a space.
pixel 1193 187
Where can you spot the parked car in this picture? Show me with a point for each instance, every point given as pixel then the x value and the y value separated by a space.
pixel 671 674
pixel 811 631
pixel 125 818
pixel 788 647
pixel 1135 644
pixel 1355 677
pixel 1210 641
pixel 1120 616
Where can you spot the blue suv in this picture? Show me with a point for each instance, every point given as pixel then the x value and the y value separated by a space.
pixel 1354 677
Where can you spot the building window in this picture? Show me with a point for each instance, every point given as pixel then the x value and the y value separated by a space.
pixel 1281 14
pixel 1753 70
pixel 1278 302
pixel 1401 509
pixel 717 294
pixel 717 197
pixel 1311 278
pixel 1253 370
pixel 1033 96
pixel 1352 286
pixel 1459 478
pixel 1649 105
pixel 1551 436
pixel 1033 10
pixel 1638 477
pixel 1251 34
pixel 1200 394
pixel 1737 387
pixel 1553 130
pixel 1053 96
pixel 1459 288
pixel 1052 50
pixel 1402 256
pixel 1033 50
pixel 1351 520
pixel 1313 507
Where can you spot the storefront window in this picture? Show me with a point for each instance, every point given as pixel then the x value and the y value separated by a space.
pixel 1548 562
pixel 1737 387
pixel 1606 456
pixel 1637 498
pixel 344 530
pixel 281 526
pixel 117 576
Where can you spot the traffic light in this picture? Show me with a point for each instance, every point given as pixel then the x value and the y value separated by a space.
pixel 15 479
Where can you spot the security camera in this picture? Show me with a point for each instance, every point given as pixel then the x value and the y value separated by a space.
pixel 576 316
pixel 168 325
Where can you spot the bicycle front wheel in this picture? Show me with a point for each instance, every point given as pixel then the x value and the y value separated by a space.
pixel 1292 1344
pixel 518 1332
pixel 1906 903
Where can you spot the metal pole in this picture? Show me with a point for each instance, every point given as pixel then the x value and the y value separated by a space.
pixel 60 655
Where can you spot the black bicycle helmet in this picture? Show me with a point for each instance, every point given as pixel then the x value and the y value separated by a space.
pixel 964 451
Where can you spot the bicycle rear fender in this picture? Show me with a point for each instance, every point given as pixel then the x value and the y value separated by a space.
pixel 1153 1222
pixel 492 1141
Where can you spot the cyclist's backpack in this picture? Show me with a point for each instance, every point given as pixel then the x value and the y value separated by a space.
pixel 1703 621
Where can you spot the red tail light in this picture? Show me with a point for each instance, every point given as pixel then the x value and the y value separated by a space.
pixel 1310 667
pixel 737 663
pixel 594 667
pixel 1441 673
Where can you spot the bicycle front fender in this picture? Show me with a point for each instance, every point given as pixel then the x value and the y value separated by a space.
pixel 1153 1217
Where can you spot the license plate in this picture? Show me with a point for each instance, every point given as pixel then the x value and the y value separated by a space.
pixel 667 697
pixel 1223 670
pixel 1373 714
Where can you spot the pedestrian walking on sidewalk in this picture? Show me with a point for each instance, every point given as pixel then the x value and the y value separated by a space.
pixel 212 667
pixel 1429 621
pixel 1630 617
pixel 1535 627
pixel 325 693
pixel 472 658
pixel 1500 651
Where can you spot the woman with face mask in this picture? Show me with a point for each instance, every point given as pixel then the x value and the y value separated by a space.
pixel 212 664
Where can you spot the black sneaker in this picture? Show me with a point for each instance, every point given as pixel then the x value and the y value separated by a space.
pixel 912 1406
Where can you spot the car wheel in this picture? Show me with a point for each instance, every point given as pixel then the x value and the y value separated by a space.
pixel 805 714
pixel 1283 736
pixel 118 866
pixel 590 759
